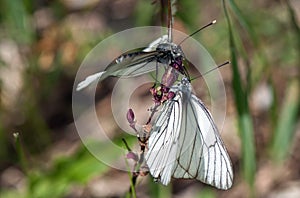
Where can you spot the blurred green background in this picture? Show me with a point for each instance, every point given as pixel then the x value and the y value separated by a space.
pixel 42 44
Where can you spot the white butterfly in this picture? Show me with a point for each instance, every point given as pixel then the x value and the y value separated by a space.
pixel 140 61
pixel 185 142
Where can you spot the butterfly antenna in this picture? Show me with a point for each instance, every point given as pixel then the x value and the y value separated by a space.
pixel 207 25
pixel 217 67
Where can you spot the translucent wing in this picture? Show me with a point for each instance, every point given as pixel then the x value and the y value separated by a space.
pixel 127 65
pixel 130 64
pixel 195 140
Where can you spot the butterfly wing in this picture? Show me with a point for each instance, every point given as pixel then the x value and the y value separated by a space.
pixel 127 65
pixel 185 143
pixel 163 141
pixel 202 154
pixel 153 45
pixel 132 64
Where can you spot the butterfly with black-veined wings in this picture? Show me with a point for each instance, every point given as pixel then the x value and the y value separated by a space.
pixel 185 143
pixel 142 61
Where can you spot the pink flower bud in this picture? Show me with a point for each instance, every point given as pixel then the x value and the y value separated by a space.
pixel 165 89
pixel 130 116
pixel 171 95
pixel 132 155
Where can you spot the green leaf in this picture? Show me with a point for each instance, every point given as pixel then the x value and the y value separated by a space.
pixel 245 23
pixel 244 117
pixel 287 121
pixel 66 171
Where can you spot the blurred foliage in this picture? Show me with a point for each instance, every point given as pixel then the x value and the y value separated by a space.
pixel 52 38
pixel 289 116
pixel 15 18
pixel 241 102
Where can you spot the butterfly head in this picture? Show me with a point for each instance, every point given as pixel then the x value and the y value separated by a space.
pixel 170 48
pixel 185 81
pixel 185 85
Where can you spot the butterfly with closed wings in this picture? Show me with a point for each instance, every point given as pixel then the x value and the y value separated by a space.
pixel 185 143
